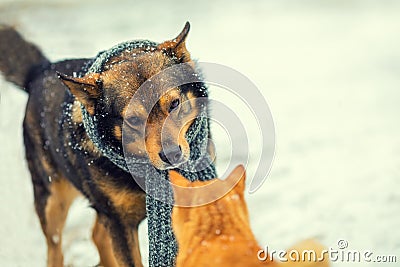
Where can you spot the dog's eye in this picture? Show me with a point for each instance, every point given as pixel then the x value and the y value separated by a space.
pixel 174 105
pixel 133 121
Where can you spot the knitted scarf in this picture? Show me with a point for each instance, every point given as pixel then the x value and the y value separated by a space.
pixel 159 196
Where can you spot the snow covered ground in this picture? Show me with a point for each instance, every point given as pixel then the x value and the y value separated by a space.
pixel 329 71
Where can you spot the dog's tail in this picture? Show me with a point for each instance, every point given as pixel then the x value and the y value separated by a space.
pixel 18 58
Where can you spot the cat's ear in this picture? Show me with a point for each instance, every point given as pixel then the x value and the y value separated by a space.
pixel 192 194
pixel 180 187
pixel 238 177
pixel 177 179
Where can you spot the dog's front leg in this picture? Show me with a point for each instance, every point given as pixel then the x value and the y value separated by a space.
pixel 124 241
pixel 103 242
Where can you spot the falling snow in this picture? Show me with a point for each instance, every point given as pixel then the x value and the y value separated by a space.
pixel 330 73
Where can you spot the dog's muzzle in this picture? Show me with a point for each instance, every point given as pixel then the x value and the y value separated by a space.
pixel 172 155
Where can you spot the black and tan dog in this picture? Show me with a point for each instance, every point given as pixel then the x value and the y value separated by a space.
pixel 65 162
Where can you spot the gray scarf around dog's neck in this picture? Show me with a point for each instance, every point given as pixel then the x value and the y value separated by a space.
pixel 162 243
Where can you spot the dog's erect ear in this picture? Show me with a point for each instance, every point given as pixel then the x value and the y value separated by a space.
pixel 238 177
pixel 177 46
pixel 85 89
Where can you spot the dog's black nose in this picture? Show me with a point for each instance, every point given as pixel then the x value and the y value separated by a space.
pixel 171 155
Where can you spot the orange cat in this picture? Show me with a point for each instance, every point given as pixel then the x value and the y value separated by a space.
pixel 218 233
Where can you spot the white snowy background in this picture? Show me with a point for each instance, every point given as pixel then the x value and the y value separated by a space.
pixel 330 71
